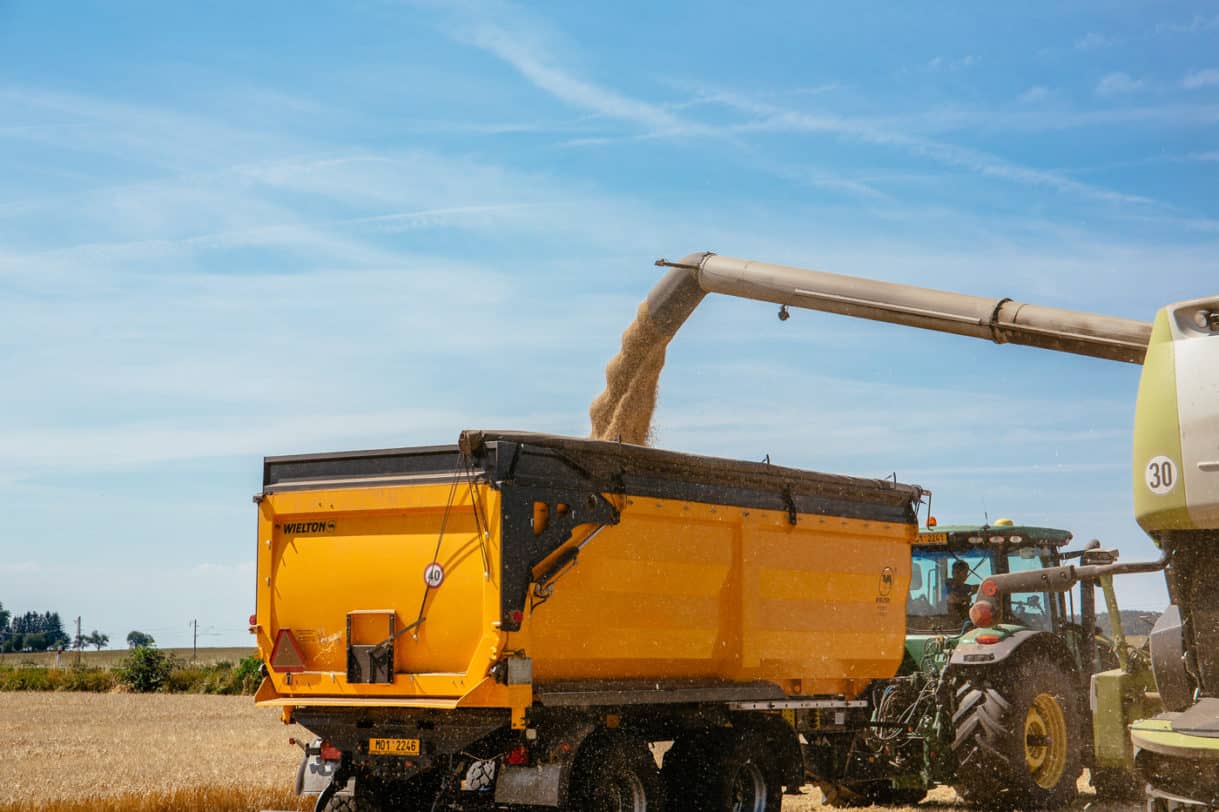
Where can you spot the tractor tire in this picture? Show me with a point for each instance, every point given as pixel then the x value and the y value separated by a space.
pixel 1017 738
pixel 615 773
pixel 741 774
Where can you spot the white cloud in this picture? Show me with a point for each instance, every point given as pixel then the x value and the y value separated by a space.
pixel 1116 84
pixel 1201 78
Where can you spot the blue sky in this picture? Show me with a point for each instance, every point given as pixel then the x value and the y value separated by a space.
pixel 243 230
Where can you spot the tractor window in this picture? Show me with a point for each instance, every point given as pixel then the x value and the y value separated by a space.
pixel 1032 609
pixel 936 603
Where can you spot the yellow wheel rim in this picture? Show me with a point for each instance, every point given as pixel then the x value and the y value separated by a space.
pixel 1045 741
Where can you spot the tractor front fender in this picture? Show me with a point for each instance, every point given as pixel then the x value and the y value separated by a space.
pixel 1026 642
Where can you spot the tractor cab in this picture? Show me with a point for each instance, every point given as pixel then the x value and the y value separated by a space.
pixel 950 563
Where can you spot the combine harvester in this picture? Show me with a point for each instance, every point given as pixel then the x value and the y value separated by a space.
pixel 514 619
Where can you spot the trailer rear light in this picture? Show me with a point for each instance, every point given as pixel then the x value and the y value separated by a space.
pixel 330 753
pixel 253 620
pixel 982 614
pixel 518 756
pixel 989 588
pixel 286 655
pixel 987 639
pixel 517 616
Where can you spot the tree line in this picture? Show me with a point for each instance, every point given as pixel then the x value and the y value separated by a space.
pixel 34 631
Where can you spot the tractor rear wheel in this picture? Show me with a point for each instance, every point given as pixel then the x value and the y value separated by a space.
pixel 1017 737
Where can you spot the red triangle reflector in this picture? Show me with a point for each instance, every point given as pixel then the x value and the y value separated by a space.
pixel 286 655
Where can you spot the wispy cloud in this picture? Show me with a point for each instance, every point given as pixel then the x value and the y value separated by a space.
pixel 1094 40
pixel 1192 26
pixel 948 64
pixel 531 62
pixel 19 568
pixel 768 118
pixel 1118 84
pixel 243 570
pixel 1207 77
pixel 1035 95
pixel 517 47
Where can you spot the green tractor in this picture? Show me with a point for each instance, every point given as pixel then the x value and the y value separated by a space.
pixel 994 700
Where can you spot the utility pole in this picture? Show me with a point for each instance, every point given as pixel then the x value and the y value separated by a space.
pixel 194 646
pixel 79 643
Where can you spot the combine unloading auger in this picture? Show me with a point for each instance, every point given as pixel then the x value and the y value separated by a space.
pixel 623 411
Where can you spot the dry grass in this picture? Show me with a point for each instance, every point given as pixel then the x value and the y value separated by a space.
pixel 196 799
pixel 70 752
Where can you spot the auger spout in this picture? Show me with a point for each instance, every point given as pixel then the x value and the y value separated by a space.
pixel 624 410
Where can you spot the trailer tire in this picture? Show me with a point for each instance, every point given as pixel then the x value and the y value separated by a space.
pixel 614 773
pixel 686 767
pixel 1017 738
pixel 740 775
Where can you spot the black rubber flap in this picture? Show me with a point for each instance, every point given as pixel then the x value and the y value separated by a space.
pixel 1200 720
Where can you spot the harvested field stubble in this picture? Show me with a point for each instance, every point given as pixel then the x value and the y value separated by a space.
pixel 194 799
pixel 70 752
pixel 64 747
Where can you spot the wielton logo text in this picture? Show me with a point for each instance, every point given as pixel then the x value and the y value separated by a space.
pixel 301 528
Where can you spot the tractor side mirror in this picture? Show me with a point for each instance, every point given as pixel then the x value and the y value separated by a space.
pixel 1099 556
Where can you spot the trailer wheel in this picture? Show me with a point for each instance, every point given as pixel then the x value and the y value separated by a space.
pixel 614 774
pixel 739 774
pixel 1017 742
pixel 685 769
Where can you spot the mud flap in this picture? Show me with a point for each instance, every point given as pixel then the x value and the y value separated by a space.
pixel 536 786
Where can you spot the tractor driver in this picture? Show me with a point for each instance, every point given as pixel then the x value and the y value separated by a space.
pixel 960 594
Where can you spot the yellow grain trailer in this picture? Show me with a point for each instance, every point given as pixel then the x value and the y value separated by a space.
pixel 515 618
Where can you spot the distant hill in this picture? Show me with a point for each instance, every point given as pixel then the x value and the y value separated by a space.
pixel 1134 621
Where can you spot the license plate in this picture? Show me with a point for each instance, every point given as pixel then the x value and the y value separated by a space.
pixel 393 747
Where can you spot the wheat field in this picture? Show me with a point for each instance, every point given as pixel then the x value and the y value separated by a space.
pixel 79 752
